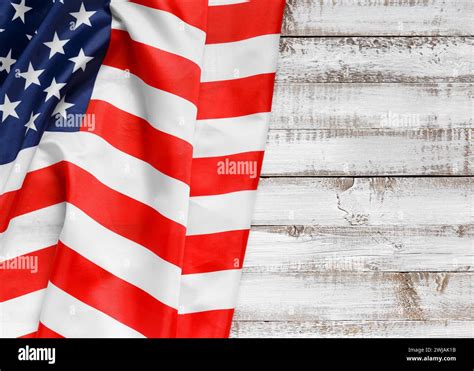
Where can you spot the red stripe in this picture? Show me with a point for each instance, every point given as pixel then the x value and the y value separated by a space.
pixel 234 98
pixel 215 252
pixel 193 12
pixel 162 70
pixel 226 174
pixel 46 332
pixel 243 21
pixel 121 214
pixel 28 336
pixel 210 324
pixel 135 136
pixel 111 295
pixel 18 282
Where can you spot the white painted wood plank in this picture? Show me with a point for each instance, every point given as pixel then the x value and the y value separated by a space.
pixel 355 152
pixel 378 17
pixel 328 264
pixel 345 202
pixel 351 329
pixel 360 249
pixel 372 106
pixel 351 296
pixel 376 59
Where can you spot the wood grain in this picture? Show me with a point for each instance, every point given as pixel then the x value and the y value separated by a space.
pixel 350 329
pixel 372 106
pixel 376 59
pixel 355 296
pixel 354 152
pixel 378 17
pixel 306 249
pixel 347 202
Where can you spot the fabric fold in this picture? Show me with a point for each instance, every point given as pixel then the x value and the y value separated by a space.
pixel 132 137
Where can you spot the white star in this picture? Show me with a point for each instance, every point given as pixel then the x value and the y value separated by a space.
pixel 56 45
pixel 20 10
pixel 61 1
pixel 80 61
pixel 82 17
pixel 7 62
pixel 62 107
pixel 31 36
pixel 53 90
pixel 31 76
pixel 31 124
pixel 8 108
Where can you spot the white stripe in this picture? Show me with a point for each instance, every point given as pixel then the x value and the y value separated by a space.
pixel 240 59
pixel 20 316
pixel 230 136
pixel 220 213
pixel 164 111
pixel 72 318
pixel 159 29
pixel 226 2
pixel 31 232
pixel 209 291
pixel 121 257
pixel 117 170
pixel 13 173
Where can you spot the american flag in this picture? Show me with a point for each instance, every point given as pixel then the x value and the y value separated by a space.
pixel 132 135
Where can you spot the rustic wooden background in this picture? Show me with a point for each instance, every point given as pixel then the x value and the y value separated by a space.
pixel 364 221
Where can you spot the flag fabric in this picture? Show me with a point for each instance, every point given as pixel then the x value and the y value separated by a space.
pixel 132 136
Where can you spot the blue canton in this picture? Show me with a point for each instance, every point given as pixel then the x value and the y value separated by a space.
pixel 50 54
